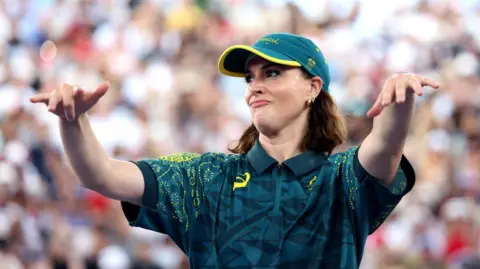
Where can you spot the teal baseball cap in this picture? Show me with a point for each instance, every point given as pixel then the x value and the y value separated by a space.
pixel 280 48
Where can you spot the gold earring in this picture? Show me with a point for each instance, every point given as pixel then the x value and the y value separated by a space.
pixel 311 100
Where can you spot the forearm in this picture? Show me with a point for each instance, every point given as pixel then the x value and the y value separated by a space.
pixel 116 179
pixel 84 153
pixel 381 152
pixel 391 127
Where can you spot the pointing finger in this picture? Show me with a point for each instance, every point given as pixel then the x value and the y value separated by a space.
pixel 40 98
pixel 424 81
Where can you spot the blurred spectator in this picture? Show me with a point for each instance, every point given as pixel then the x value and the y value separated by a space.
pixel 167 96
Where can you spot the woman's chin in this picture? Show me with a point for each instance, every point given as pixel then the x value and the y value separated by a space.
pixel 265 126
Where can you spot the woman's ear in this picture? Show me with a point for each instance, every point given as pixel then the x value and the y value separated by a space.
pixel 316 86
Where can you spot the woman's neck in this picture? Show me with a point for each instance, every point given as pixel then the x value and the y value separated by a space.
pixel 286 143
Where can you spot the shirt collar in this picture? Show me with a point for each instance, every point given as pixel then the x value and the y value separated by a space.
pixel 259 158
pixel 306 162
pixel 300 164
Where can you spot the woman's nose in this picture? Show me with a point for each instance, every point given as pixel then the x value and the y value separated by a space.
pixel 256 88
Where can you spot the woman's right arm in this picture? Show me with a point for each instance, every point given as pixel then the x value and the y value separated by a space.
pixel 167 193
pixel 120 180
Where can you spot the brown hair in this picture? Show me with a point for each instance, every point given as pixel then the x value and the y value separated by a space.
pixel 326 128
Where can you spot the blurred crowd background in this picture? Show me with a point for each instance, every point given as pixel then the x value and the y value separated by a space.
pixel 167 96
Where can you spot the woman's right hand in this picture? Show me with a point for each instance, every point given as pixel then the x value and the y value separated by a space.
pixel 70 102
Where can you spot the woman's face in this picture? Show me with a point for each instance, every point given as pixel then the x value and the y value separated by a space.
pixel 277 95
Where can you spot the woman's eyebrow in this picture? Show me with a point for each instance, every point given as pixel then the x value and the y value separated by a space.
pixel 265 66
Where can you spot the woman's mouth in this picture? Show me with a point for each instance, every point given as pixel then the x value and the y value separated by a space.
pixel 259 103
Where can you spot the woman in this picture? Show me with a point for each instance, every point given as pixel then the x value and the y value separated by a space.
pixel 281 200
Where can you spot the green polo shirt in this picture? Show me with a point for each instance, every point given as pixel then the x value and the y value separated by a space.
pixel 247 211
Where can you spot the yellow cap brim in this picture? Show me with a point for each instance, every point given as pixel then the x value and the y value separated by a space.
pixel 239 55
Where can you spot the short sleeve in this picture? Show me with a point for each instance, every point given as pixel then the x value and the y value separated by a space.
pixel 175 187
pixel 370 200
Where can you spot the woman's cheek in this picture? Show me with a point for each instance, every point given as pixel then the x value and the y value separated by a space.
pixel 247 93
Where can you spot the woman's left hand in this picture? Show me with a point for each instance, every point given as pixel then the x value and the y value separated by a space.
pixel 396 88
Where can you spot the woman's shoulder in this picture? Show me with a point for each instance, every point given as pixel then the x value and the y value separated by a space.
pixel 344 154
pixel 206 157
pixel 226 158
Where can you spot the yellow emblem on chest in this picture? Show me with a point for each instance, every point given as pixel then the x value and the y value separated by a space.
pixel 310 184
pixel 241 181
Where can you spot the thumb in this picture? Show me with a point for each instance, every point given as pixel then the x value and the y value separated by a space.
pixel 376 108
pixel 100 91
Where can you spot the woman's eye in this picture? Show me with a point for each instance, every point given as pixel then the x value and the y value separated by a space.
pixel 272 73
pixel 248 78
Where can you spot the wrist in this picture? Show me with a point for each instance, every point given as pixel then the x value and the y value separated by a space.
pixel 76 122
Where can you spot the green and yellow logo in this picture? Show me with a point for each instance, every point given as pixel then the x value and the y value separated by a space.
pixel 179 157
pixel 310 184
pixel 269 40
pixel 310 64
pixel 241 181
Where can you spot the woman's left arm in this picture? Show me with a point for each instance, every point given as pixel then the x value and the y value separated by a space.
pixel 381 151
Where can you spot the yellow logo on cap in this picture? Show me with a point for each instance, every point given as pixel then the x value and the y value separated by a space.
pixel 310 64
pixel 268 40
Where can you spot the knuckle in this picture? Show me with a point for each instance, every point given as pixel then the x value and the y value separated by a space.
pixel 400 75
pixel 67 88
pixel 413 77
pixel 403 76
pixel 52 98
